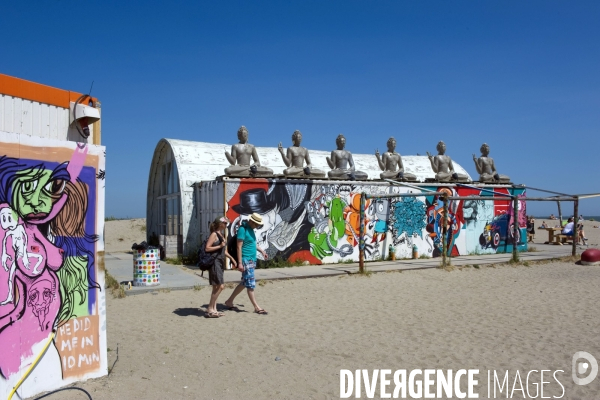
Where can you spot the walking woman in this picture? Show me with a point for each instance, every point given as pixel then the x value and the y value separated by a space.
pixel 216 243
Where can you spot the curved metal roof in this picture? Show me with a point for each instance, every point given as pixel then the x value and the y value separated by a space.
pixel 202 161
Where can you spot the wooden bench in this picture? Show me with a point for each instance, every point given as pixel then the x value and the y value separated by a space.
pixel 561 239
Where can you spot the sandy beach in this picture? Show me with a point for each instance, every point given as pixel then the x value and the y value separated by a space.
pixel 120 234
pixel 502 318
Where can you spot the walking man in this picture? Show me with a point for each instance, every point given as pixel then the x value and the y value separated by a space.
pixel 246 254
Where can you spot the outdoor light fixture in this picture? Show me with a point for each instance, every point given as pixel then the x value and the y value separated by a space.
pixel 82 116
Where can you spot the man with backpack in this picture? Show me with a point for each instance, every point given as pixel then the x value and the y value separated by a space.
pixel 246 257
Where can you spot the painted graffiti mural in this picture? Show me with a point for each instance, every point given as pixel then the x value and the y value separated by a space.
pixel 319 221
pixel 51 199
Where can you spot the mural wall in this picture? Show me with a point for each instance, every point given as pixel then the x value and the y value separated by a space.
pixel 319 221
pixel 51 279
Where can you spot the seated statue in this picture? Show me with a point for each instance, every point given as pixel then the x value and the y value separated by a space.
pixel 486 168
pixel 295 158
pixel 391 164
pixel 442 166
pixel 342 164
pixel 241 153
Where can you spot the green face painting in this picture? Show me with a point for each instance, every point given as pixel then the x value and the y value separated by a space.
pixel 34 193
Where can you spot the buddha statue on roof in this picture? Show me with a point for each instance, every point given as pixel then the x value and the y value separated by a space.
pixel 241 155
pixel 342 164
pixel 443 167
pixel 391 163
pixel 486 168
pixel 296 157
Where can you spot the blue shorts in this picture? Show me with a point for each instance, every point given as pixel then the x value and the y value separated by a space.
pixel 248 274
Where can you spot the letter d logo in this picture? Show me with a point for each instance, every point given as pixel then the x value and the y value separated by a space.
pixel 582 366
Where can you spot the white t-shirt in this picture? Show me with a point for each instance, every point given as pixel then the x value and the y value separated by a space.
pixel 568 229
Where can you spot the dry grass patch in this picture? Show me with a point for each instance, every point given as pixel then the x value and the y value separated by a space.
pixel 116 289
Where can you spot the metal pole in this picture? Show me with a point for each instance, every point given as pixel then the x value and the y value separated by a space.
pixel 588 196
pixel 515 253
pixel 361 239
pixel 484 190
pixel 575 223
pixel 407 185
pixel 547 199
pixel 397 195
pixel 444 229
pixel 510 198
pixel 546 191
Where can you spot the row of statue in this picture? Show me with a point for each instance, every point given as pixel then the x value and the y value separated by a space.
pixel 297 159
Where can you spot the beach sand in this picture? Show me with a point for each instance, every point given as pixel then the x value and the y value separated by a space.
pixel 120 234
pixel 492 318
pixel 503 318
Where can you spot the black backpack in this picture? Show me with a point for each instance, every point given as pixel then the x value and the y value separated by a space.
pixel 232 247
pixel 206 260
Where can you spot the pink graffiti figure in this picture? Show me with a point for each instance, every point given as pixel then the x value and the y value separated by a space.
pixel 40 295
pixel 17 233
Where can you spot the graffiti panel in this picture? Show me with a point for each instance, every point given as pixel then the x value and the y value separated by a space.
pixel 51 219
pixel 319 221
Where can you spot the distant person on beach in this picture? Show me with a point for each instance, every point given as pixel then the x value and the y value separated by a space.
pixel 581 233
pixel 580 218
pixel 216 243
pixel 569 230
pixel 543 225
pixel 552 216
pixel 530 228
pixel 246 246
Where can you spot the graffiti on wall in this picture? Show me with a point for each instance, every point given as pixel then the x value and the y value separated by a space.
pixel 320 222
pixel 49 280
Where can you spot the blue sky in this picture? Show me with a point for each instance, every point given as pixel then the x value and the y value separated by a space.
pixel 522 76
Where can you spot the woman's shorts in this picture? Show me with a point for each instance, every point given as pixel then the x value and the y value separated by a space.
pixel 248 274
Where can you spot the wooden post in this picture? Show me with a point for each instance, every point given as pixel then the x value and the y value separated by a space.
pixel 515 252
pixel 97 126
pixel 559 214
pixel 575 223
pixel 444 230
pixel 361 239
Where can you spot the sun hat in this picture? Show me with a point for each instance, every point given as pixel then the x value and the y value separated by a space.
pixel 257 219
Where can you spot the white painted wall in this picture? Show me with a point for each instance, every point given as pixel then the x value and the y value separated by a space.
pixel 37 119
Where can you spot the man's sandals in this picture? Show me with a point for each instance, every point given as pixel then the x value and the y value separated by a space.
pixel 261 312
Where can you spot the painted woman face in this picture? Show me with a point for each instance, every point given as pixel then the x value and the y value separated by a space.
pixel 35 192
